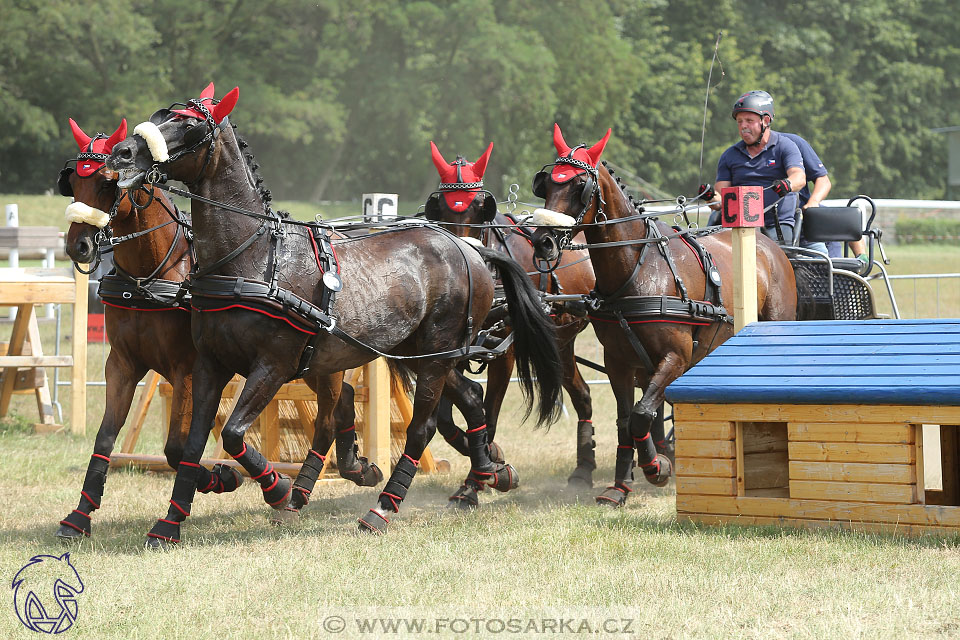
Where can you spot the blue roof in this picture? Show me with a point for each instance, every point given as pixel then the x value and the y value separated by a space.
pixel 898 362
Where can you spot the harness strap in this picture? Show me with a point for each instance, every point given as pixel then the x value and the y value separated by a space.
pixel 205 272
pixel 635 343
pixel 148 296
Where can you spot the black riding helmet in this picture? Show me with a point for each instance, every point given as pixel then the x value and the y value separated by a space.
pixel 758 102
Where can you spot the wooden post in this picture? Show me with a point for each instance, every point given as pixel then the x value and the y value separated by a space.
pixel 742 211
pixel 78 378
pixel 377 437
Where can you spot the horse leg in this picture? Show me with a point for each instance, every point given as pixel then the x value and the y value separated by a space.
pixel 351 464
pixel 622 385
pixel 209 380
pixel 223 478
pixel 261 386
pixel 658 433
pixel 579 393
pixel 656 467
pixel 122 376
pixel 423 425
pixel 498 379
pixel 453 434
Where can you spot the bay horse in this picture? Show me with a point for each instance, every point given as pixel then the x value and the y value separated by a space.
pixel 658 306
pixel 274 299
pixel 147 317
pixel 464 208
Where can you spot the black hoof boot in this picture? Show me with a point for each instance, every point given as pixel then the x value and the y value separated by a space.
pixel 466 497
pixel 277 494
pixel 581 478
pixel 614 496
pixel 503 477
pixel 74 527
pixel 164 534
pixel 373 522
pixel 659 471
pixel 496 453
pixel 223 479
pixel 367 475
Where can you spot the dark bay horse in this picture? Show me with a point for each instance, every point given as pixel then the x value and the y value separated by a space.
pixel 464 208
pixel 147 317
pixel 274 299
pixel 659 301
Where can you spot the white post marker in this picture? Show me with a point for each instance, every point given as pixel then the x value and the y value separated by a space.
pixel 378 207
pixel 742 212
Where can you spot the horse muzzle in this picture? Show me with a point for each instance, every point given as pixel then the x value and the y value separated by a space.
pixel 545 245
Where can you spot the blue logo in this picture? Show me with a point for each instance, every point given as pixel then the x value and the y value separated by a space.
pixel 45 593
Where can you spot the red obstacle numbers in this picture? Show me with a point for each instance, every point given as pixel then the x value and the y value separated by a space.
pixel 742 206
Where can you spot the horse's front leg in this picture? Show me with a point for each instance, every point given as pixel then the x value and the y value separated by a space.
pixel 656 467
pixel 122 375
pixel 622 376
pixel 209 379
pixel 422 427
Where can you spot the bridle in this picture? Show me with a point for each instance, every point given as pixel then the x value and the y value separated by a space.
pixel 191 141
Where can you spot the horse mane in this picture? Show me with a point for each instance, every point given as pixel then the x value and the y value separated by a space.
pixel 265 195
pixel 623 188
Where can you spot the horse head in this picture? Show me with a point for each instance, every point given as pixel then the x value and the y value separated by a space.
pixel 456 199
pixel 571 192
pixel 176 142
pixel 93 188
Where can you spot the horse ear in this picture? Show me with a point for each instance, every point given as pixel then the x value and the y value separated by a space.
pixel 562 147
pixel 117 136
pixel 208 92
pixel 438 161
pixel 596 150
pixel 82 139
pixel 223 108
pixel 481 164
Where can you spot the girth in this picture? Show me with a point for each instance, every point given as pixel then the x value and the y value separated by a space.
pixel 152 295
pixel 666 307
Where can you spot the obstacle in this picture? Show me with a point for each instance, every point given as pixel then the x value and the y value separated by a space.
pixel 821 424
pixel 24 288
pixel 284 431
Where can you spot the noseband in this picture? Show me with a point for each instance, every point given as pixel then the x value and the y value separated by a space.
pixel 590 191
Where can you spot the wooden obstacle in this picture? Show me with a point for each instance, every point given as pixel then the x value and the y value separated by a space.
pixel 24 288
pixel 284 431
pixel 821 424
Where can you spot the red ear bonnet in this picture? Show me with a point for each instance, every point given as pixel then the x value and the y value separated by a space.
pixel 563 172
pixel 219 111
pixel 100 144
pixel 470 173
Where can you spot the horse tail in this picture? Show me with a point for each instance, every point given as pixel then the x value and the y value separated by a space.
pixel 534 339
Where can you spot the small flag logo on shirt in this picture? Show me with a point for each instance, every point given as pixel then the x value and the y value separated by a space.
pixel 771 162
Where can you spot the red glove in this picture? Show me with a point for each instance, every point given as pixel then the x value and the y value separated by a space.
pixel 706 192
pixel 781 187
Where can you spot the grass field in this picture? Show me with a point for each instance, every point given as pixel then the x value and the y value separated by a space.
pixel 534 555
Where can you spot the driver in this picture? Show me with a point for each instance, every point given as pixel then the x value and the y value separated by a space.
pixel 765 158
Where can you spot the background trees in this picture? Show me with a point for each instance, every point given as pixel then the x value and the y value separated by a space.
pixel 340 97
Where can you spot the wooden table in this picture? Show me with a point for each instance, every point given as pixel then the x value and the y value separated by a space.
pixel 24 288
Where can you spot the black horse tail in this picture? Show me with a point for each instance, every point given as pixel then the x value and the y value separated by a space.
pixel 534 339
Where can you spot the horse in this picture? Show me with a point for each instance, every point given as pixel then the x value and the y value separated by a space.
pixel 658 304
pixel 463 207
pixel 146 315
pixel 305 301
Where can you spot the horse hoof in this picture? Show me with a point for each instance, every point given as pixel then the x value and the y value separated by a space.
pixel 286 516
pixel 74 526
pixel 368 475
pixel 661 476
pixel 465 498
pixel 372 522
pixel 67 534
pixel 230 478
pixel 496 453
pixel 278 494
pixel 503 477
pixel 160 544
pixel 613 497
pixel 580 479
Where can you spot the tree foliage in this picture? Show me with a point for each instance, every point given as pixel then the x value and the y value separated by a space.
pixel 339 97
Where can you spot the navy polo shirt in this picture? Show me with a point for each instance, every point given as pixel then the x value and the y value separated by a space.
pixel 812 165
pixel 781 153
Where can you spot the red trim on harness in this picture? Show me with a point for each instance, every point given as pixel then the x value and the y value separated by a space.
pixel 97 455
pixel 697 324
pixel 89 499
pixel 270 315
pixel 276 479
pixel 322 458
pixel 643 438
pixel 695 254
pixel 117 306
pixel 394 500
pixel 167 538
pixel 168 521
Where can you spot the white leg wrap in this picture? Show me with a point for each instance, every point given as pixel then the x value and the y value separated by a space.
pixel 84 213
pixel 155 142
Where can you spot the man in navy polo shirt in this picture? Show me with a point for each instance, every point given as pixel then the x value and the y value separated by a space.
pixel 763 157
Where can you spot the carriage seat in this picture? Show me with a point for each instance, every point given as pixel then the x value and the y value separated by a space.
pixel 832 224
